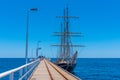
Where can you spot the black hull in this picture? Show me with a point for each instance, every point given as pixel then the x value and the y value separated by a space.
pixel 67 67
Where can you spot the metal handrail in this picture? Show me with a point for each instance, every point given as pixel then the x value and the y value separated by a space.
pixel 27 72
pixel 11 72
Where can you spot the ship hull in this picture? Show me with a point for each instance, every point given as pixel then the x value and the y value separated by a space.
pixel 67 67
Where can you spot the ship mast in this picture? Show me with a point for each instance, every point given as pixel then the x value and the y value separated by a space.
pixel 65 37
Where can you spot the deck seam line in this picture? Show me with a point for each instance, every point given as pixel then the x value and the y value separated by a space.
pixel 48 71
pixel 58 71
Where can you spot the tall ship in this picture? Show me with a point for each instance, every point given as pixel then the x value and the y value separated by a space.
pixel 66 56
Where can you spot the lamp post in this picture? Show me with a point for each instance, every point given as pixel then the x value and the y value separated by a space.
pixel 38 48
pixel 27 27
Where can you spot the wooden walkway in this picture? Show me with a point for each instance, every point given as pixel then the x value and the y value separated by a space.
pixel 46 70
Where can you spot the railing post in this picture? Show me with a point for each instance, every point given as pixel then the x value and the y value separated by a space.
pixel 12 76
pixel 21 72
pixel 26 69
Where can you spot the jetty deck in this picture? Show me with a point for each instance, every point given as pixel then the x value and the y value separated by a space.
pixel 46 70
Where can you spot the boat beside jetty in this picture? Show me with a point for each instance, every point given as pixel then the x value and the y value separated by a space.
pixel 66 57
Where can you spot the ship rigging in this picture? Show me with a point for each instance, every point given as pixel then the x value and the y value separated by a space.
pixel 66 57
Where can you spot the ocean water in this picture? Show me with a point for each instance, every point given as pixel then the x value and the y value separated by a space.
pixel 98 69
pixel 86 68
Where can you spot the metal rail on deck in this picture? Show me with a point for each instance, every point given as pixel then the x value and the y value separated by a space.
pixel 26 69
pixel 59 72
pixel 48 71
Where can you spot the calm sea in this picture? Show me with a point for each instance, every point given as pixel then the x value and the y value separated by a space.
pixel 86 69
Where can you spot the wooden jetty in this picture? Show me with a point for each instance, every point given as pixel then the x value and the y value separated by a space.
pixel 46 70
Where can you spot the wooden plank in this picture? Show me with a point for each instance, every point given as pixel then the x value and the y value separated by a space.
pixel 46 70
pixel 54 73
pixel 40 72
pixel 66 74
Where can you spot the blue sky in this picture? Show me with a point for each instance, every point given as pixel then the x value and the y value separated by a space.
pixel 99 22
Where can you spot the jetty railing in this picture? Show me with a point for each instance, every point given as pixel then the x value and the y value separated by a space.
pixel 23 72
